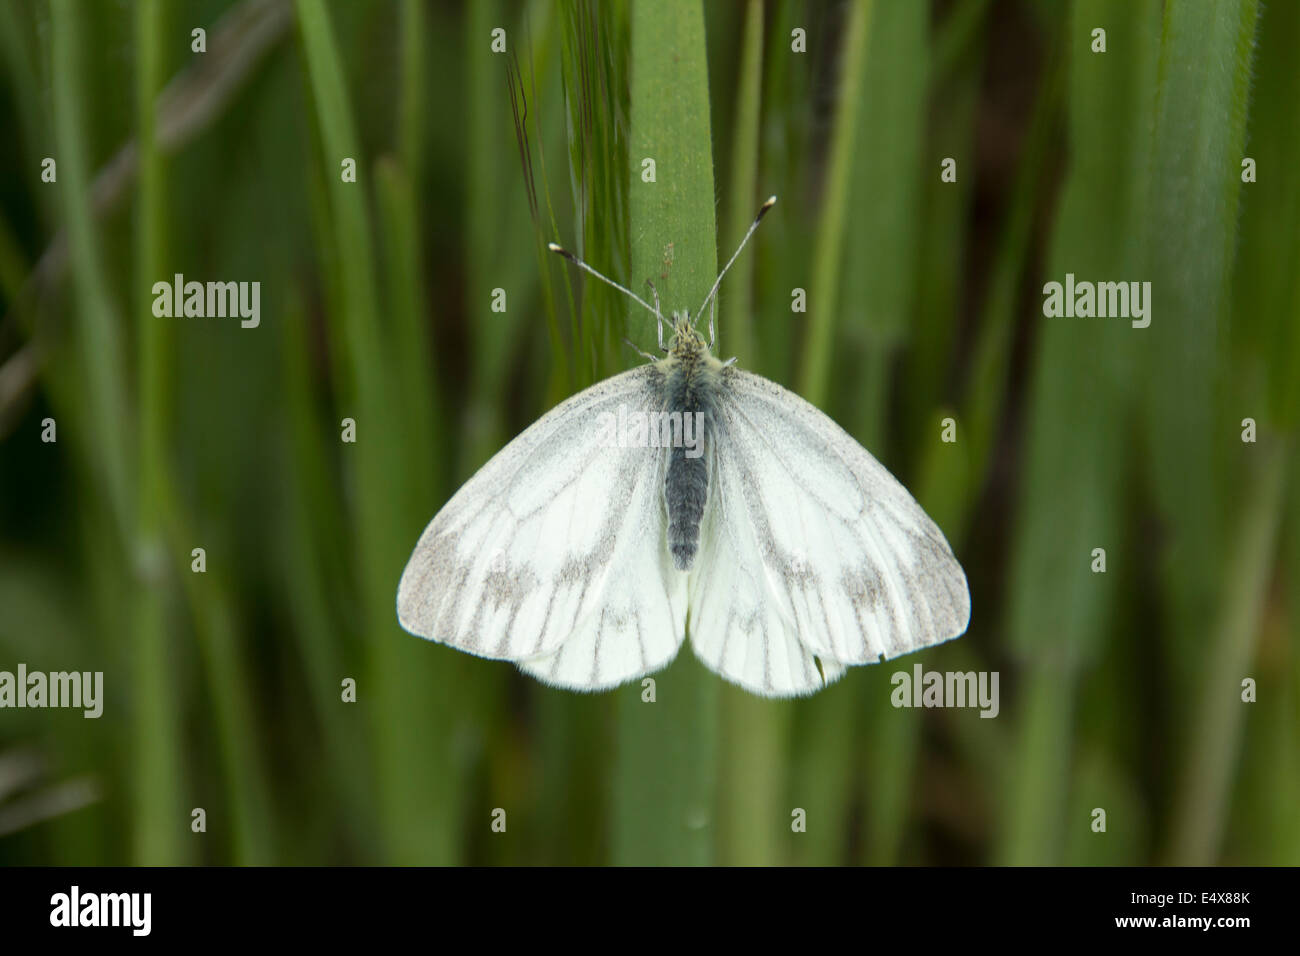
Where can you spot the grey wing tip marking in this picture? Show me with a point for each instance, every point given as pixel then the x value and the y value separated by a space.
pixel 408 615
pixel 958 605
pixel 423 585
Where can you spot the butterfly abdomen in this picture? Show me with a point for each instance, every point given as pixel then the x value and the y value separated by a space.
pixel 690 387
pixel 686 490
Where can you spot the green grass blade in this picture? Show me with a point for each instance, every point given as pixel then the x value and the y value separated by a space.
pixel 781 245
pixel 16 46
pixel 409 741
pixel 486 211
pixel 1199 821
pixel 158 795
pixel 743 196
pixel 1058 609
pixel 878 295
pixel 594 61
pixel 312 584
pixel 989 379
pixel 423 417
pixel 1266 288
pixel 664 793
pixel 252 836
pixel 102 353
pixel 1199 131
pixel 814 376
pixel 414 103
pixel 1260 822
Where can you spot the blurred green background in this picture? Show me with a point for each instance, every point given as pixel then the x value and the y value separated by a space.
pixel 1120 691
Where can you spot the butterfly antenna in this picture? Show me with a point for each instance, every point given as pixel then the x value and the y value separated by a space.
pixel 632 345
pixel 762 211
pixel 560 250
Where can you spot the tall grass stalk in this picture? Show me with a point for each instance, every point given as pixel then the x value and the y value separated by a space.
pixel 814 376
pixel 158 790
pixel 664 786
pixel 98 331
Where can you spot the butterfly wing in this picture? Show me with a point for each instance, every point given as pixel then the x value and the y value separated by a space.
pixel 813 556
pixel 553 555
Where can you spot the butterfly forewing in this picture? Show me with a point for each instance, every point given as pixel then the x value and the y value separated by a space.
pixel 554 553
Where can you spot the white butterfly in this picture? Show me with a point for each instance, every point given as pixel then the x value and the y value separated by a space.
pixel 783 549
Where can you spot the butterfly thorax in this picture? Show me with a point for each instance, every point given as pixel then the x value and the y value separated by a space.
pixel 692 377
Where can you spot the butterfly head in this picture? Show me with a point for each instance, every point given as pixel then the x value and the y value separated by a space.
pixel 686 339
